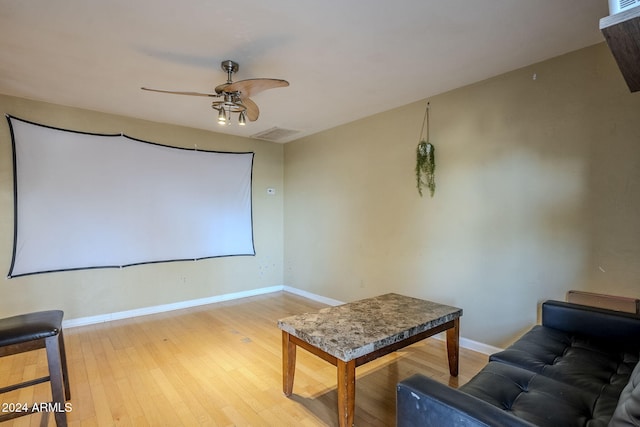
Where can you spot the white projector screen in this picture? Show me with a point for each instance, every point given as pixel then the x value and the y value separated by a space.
pixel 96 201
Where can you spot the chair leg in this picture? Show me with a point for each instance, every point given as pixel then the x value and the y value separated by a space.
pixel 63 361
pixel 56 379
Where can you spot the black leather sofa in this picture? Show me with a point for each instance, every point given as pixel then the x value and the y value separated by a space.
pixel 578 368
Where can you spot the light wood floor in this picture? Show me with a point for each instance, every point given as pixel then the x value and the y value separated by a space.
pixel 213 365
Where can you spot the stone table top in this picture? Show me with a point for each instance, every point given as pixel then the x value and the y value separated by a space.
pixel 352 330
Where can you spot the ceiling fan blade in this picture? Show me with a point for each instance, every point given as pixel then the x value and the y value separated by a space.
pixel 252 110
pixel 220 88
pixel 250 87
pixel 181 92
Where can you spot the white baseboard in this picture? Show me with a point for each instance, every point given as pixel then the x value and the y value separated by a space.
pixel 101 318
pixel 472 345
pixel 315 297
pixel 478 346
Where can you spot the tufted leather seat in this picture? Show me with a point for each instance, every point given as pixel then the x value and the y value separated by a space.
pixel 579 368
pixel 598 365
pixel 541 400
pixel 33 331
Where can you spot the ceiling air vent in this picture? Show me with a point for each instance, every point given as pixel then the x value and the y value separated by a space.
pixel 616 6
pixel 275 134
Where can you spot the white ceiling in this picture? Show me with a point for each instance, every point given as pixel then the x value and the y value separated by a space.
pixel 345 59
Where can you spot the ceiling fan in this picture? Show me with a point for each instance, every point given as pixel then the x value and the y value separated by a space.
pixel 235 95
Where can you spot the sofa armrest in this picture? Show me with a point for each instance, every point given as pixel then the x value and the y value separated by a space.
pixel 421 402
pixel 591 321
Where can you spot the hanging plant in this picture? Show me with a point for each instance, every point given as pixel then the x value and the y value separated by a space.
pixel 426 161
pixel 426 167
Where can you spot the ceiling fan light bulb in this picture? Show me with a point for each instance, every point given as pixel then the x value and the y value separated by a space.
pixel 222 117
pixel 241 119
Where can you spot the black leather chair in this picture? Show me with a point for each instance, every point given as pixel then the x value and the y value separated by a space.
pixel 32 331
pixel 580 367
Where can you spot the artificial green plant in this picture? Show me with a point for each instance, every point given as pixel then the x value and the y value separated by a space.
pixel 426 161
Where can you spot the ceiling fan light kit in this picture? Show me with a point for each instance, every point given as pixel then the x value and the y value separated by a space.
pixel 235 95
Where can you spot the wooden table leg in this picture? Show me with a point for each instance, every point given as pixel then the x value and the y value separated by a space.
pixel 288 363
pixel 346 392
pixel 453 347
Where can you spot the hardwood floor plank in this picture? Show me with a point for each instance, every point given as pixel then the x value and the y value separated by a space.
pixel 216 365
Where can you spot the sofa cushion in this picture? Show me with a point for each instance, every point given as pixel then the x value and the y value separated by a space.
pixel 599 366
pixel 627 412
pixel 538 399
pixel 425 402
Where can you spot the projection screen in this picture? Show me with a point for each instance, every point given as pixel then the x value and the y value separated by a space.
pixel 95 201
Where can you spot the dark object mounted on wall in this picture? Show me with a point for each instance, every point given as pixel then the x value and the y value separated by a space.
pixel 622 32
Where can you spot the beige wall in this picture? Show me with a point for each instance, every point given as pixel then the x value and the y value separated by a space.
pixel 538 184
pixel 102 291
pixel 538 192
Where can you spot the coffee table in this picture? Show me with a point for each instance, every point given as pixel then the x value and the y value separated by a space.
pixel 353 334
